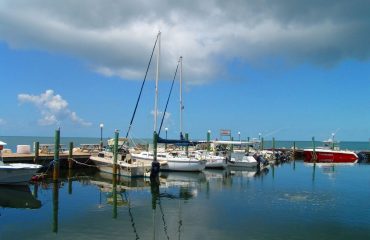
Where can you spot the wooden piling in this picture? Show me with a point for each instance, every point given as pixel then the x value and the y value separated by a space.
pixel 37 148
pixel 70 155
pixel 314 158
pixel 208 141
pixel 232 145
pixel 115 152
pixel 155 143
pixel 187 147
pixel 262 144
pixel 248 144
pixel 114 183
pixel 56 154
pixel 273 146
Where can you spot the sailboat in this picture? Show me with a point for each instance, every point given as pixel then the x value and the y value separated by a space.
pixel 169 161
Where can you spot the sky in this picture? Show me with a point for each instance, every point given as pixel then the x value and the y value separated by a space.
pixel 284 69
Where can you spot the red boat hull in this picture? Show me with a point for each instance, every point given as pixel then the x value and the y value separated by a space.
pixel 330 156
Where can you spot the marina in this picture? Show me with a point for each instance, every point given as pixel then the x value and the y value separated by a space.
pixel 184 120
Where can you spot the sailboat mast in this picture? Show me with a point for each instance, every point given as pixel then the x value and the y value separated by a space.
pixel 156 83
pixel 181 106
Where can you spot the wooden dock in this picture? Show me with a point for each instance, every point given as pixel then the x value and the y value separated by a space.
pixel 45 158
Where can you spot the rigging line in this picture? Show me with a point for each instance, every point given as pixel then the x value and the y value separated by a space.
pixel 142 86
pixel 168 99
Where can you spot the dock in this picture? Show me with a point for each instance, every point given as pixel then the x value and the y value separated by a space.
pixel 45 158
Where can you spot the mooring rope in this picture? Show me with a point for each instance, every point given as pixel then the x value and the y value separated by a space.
pixel 84 164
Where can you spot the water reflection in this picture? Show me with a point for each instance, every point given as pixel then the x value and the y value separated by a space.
pixel 18 196
pixel 193 205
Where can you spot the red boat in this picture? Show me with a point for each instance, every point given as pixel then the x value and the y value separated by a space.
pixel 330 156
pixel 330 153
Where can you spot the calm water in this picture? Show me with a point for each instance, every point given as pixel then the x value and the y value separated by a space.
pixel 290 201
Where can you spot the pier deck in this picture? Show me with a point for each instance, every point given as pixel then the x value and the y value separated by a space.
pixel 43 158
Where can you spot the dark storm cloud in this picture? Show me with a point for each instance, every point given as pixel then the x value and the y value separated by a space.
pixel 115 37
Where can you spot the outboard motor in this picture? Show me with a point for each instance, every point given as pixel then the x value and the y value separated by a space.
pixel 261 160
pixel 362 157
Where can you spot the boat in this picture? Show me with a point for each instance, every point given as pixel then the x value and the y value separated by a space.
pixel 16 173
pixel 171 161
pixel 212 160
pixel 242 160
pixel 329 153
pixel 126 166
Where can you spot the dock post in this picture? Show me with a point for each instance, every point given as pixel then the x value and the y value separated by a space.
pixel 294 150
pixel 248 144
pixel 37 147
pixel 232 146
pixel 314 158
pixel 273 146
pixel 114 183
pixel 261 144
pixel 70 155
pixel 209 140
pixel 187 147
pixel 155 164
pixel 115 152
pixel 56 154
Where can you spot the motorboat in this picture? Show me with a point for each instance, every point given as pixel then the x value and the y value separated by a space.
pixel 212 160
pixel 171 161
pixel 16 173
pixel 242 160
pixel 330 153
pixel 126 166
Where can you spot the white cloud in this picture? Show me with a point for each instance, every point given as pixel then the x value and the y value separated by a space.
pixel 166 121
pixel 116 37
pixel 54 109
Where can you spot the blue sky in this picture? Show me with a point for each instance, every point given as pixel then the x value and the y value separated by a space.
pixel 283 75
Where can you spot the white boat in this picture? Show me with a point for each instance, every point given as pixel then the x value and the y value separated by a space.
pixel 125 166
pixel 242 160
pixel 212 160
pixel 16 173
pixel 170 162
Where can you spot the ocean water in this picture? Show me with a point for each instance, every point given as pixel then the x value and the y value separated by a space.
pixel 288 201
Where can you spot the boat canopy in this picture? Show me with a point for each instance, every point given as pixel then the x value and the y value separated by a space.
pixel 177 142
pixel 233 142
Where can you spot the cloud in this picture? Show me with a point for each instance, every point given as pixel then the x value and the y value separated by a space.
pixel 2 122
pixel 166 121
pixel 54 109
pixel 116 37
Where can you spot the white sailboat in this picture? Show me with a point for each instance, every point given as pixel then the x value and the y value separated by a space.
pixel 172 162
pixel 169 161
pixel 16 173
